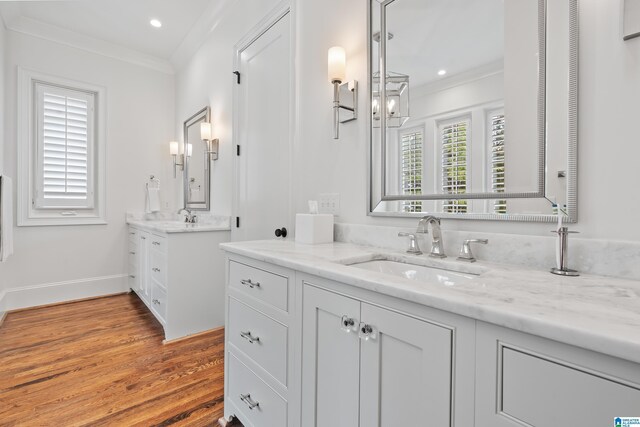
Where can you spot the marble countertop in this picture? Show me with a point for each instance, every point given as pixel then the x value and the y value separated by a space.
pixel 221 223
pixel 597 313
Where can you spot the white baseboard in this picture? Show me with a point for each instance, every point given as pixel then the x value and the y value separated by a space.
pixel 3 310
pixel 52 293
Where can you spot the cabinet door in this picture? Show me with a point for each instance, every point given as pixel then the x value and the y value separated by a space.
pixel 330 360
pixel 405 372
pixel 143 263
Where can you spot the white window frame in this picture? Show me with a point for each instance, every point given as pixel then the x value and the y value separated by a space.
pixel 493 203
pixel 412 130
pixel 31 209
pixel 439 125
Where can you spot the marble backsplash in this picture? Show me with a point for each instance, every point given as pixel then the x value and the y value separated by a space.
pixel 588 256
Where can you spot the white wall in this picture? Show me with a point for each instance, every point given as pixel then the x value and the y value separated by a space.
pixel 82 261
pixel 608 93
pixel 2 132
pixel 207 79
pixel 609 89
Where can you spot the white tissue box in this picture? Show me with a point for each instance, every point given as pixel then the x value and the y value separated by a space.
pixel 314 228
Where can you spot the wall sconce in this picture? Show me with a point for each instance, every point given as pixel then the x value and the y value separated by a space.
pixel 345 95
pixel 397 99
pixel 174 151
pixel 212 144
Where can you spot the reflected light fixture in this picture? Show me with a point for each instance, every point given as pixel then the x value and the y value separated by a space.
pixel 174 151
pixel 345 95
pixel 155 23
pixel 442 72
pixel 397 95
pixel 212 143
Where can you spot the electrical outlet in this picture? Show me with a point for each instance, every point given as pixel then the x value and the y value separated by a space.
pixel 329 203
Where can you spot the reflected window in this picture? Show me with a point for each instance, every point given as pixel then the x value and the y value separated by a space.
pixel 496 122
pixel 411 150
pixel 455 139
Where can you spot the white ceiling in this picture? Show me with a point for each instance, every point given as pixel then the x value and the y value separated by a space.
pixel 123 23
pixel 456 35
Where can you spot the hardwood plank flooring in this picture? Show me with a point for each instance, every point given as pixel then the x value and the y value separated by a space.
pixel 101 362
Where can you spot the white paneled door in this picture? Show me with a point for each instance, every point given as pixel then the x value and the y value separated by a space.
pixel 262 125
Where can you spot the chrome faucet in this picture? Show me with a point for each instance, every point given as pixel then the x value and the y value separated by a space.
pixel 189 216
pixel 414 248
pixel 437 247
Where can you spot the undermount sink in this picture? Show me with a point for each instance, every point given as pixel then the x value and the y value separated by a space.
pixel 417 272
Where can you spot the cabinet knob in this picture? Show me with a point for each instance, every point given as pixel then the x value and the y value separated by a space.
pixel 155 243
pixel 347 323
pixel 143 238
pixel 249 283
pixel 366 332
pixel 155 301
pixel 281 232
pixel 246 398
pixel 156 269
pixel 132 253
pixel 247 336
pixel 132 276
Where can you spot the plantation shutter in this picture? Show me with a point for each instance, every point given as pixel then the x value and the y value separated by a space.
pixel 65 145
pixel 454 163
pixel 411 166
pixel 497 160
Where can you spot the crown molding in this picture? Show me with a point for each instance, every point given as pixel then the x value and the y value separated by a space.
pixel 204 26
pixel 28 26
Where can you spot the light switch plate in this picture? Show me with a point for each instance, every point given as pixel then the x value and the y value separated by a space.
pixel 329 203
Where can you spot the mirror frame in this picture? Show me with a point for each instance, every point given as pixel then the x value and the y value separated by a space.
pixel 572 131
pixel 203 114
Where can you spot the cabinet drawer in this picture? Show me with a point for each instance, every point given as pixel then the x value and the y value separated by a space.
pixel 543 392
pixel 263 339
pixel 158 267
pixel 159 303
pixel 133 235
pixel 260 284
pixel 158 243
pixel 259 404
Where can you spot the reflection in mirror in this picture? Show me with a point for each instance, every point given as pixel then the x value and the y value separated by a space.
pixel 468 87
pixel 197 170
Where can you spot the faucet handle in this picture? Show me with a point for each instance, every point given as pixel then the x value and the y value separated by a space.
pixel 465 252
pixel 413 243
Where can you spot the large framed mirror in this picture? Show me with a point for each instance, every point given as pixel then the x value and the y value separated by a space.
pixel 197 175
pixel 473 108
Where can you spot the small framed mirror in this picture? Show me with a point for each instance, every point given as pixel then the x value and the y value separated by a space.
pixel 197 166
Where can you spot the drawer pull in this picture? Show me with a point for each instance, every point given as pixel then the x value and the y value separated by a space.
pixel 132 253
pixel 249 283
pixel 143 238
pixel 132 276
pixel 155 243
pixel 132 233
pixel 247 335
pixel 246 398
pixel 155 301
pixel 156 269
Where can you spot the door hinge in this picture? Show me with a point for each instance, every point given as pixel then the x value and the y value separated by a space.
pixel 237 73
pixel 237 222
pixel 237 150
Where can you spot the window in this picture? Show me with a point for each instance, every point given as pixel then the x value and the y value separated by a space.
pixel 411 167
pixel 454 137
pixel 61 152
pixel 497 160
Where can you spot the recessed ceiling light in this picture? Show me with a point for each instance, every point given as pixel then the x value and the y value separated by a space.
pixel 442 72
pixel 155 23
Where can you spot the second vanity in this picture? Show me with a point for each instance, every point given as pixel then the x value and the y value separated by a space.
pixel 315 337
pixel 173 268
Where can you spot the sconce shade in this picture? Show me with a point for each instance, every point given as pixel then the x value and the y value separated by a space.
pixel 205 131
pixel 173 148
pixel 337 62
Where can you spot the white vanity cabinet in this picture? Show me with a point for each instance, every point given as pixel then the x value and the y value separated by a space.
pixel 260 386
pixel 524 380
pixel 174 274
pixel 388 369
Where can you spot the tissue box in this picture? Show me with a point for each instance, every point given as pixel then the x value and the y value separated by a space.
pixel 314 228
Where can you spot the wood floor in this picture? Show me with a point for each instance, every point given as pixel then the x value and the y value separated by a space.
pixel 101 362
